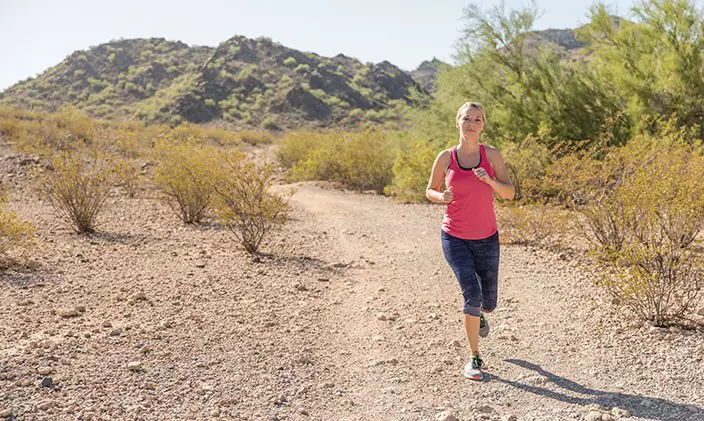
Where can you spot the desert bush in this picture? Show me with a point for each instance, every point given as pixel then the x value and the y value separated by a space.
pixel 78 188
pixel 411 170
pixel 533 225
pixel 361 161
pixel 186 174
pixel 245 204
pixel 527 162
pixel 127 176
pixel 645 231
pixel 254 137
pixel 14 232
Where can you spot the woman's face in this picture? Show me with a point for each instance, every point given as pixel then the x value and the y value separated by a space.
pixel 471 122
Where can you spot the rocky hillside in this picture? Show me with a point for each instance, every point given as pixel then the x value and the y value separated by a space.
pixel 246 82
pixel 427 73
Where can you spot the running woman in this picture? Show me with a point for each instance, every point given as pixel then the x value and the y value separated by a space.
pixel 472 173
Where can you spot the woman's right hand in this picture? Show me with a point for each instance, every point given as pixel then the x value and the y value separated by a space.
pixel 447 196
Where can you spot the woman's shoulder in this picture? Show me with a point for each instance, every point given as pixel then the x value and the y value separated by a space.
pixel 491 150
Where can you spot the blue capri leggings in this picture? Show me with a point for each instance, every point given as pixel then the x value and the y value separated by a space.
pixel 476 266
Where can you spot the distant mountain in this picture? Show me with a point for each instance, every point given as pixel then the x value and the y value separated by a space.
pixel 427 73
pixel 245 82
pixel 242 82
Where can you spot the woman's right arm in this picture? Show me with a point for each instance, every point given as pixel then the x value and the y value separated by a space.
pixel 437 175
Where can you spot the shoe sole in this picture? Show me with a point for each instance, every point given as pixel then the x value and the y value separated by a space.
pixel 475 377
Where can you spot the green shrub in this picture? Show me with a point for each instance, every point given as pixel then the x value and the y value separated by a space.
pixel 127 176
pixel 532 225
pixel 78 188
pixel 411 170
pixel 245 204
pixel 14 232
pixel 645 232
pixel 186 175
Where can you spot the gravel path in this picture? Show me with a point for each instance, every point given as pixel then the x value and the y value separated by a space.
pixel 351 315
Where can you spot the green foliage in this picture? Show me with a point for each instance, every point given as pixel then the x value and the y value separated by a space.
pixel 186 175
pixel 78 185
pixel 14 232
pixel 290 61
pixel 361 161
pixel 302 68
pixel 245 204
pixel 643 214
pixel 655 64
pixel 411 170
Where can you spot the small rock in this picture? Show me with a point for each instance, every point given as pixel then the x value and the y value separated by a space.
pixel 44 370
pixel 116 332
pixel 68 312
pixel 454 343
pixel 446 416
pixel 620 413
pixel 378 338
pixel 215 413
pixel 48 382
pixel 46 405
pixel 323 279
pixel 107 323
pixel 327 385
pixel 200 264
pixel 299 286
pixel 381 316
pixel 140 296
pixel 701 311
pixel 484 409
pixel 593 416
pixel 510 417
pixel 6 413
pixel 134 365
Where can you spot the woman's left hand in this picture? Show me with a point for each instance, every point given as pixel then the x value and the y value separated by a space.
pixel 482 175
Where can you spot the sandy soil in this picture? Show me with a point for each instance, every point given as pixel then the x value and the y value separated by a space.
pixel 352 314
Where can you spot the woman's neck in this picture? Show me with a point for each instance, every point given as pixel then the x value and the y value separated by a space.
pixel 469 143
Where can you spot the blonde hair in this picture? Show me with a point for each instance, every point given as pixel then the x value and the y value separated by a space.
pixel 475 105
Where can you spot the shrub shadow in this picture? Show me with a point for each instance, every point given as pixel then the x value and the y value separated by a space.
pixel 637 405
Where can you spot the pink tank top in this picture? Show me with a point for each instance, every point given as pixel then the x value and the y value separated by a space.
pixel 471 215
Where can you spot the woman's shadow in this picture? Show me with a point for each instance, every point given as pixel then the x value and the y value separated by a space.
pixel 638 406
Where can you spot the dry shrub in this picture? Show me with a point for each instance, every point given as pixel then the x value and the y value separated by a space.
pixel 644 233
pixel 361 161
pixel 127 176
pixel 14 232
pixel 245 204
pixel 411 170
pixel 255 138
pixel 533 224
pixel 527 162
pixel 78 187
pixel 186 174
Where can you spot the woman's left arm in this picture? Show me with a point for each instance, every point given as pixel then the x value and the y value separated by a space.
pixel 501 183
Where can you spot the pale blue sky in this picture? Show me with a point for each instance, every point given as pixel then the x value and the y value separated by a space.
pixel 38 34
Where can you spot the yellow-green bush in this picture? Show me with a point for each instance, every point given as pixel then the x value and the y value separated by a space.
pixel 186 174
pixel 14 232
pixel 645 232
pixel 246 206
pixel 78 188
pixel 411 170
pixel 360 161
pixel 533 224
pixel 127 176
pixel 526 163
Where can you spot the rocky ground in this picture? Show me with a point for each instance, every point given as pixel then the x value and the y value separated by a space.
pixel 352 314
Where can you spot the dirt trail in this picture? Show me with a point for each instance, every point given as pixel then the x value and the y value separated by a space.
pixel 555 351
pixel 351 314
